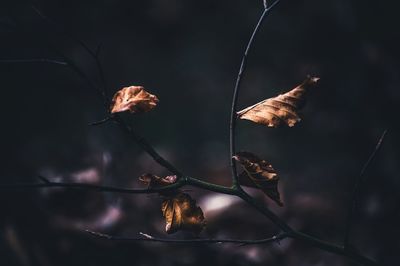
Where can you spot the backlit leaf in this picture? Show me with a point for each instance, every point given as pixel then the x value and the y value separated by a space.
pixel 282 109
pixel 182 213
pixel 133 99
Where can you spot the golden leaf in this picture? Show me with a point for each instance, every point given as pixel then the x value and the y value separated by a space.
pixel 133 99
pixel 182 213
pixel 281 109
pixel 260 173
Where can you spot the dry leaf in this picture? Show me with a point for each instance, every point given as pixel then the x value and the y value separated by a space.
pixel 154 181
pixel 260 173
pixel 182 213
pixel 281 109
pixel 179 209
pixel 133 99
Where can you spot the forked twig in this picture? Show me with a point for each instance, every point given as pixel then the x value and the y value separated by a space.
pixel 233 117
pixel 143 143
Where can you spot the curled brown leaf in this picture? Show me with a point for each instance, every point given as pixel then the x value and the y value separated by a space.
pixel 282 109
pixel 133 99
pixel 154 181
pixel 260 173
pixel 182 213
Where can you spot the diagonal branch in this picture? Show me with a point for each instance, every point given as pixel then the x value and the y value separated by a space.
pixel 149 238
pixel 233 117
pixel 144 144
pixel 332 248
pixel 357 182
pixel 265 211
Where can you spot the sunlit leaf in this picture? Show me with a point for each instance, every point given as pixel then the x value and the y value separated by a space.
pixel 182 213
pixel 133 99
pixel 260 173
pixel 282 109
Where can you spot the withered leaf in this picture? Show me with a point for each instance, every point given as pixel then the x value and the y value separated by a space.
pixel 133 99
pixel 154 181
pixel 282 109
pixel 260 173
pixel 182 213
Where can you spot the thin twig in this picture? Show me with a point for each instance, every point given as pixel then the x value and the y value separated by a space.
pixel 357 182
pixel 233 118
pixel 46 183
pixel 143 143
pixel 102 121
pixel 149 238
pixel 34 60
pixel 90 187
pixel 332 248
pixel 95 54
pixel 242 242
pixel 267 212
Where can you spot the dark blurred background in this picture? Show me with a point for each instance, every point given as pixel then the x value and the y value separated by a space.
pixel 188 54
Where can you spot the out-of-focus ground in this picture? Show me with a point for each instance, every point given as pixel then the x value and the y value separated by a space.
pixel 188 53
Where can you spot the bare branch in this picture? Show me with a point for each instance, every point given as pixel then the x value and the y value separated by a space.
pixel 149 238
pixel 89 187
pixel 242 242
pixel 143 143
pixel 265 211
pixel 46 183
pixel 195 182
pixel 357 182
pixel 332 248
pixel 34 60
pixel 233 118
pixel 94 54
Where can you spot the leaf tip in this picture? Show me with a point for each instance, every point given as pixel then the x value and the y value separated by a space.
pixel 313 79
